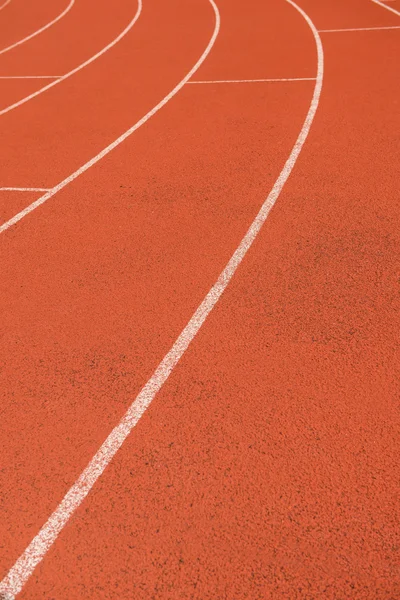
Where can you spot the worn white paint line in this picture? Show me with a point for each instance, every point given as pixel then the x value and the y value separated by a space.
pixel 30 76
pixel 23 189
pixel 253 80
pixel 118 141
pixel 15 579
pixel 393 10
pixel 38 31
pixel 78 68
pixel 358 29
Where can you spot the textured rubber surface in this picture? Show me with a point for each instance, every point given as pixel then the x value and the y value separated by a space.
pixel 267 467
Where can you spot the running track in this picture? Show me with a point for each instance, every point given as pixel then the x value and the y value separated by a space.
pixel 267 464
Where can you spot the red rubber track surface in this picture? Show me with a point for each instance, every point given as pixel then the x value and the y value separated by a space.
pixel 267 467
pixel 394 4
pixel 80 33
pixel 19 18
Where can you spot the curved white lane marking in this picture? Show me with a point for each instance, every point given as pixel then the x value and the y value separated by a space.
pixel 79 67
pixel 393 10
pixel 35 33
pixel 119 140
pixel 5 4
pixel 35 552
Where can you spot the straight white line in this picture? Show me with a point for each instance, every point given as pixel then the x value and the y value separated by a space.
pixel 393 10
pixel 78 68
pixel 35 33
pixel 30 76
pixel 254 80
pixel 15 579
pixel 20 189
pixel 359 29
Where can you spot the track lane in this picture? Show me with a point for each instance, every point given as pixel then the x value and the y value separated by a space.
pixel 279 60
pixel 157 281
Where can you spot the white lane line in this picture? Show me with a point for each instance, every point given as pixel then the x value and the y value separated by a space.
pixel 35 33
pixel 79 67
pixel 5 4
pixel 254 80
pixel 30 76
pixel 393 10
pixel 119 140
pixel 359 29
pixel 41 543
pixel 25 189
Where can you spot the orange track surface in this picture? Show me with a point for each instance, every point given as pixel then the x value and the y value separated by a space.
pixel 267 467
pixel 20 18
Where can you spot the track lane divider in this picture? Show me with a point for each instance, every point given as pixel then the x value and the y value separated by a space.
pixel 253 80
pixel 393 10
pixel 30 76
pixel 358 29
pixel 5 4
pixel 23 189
